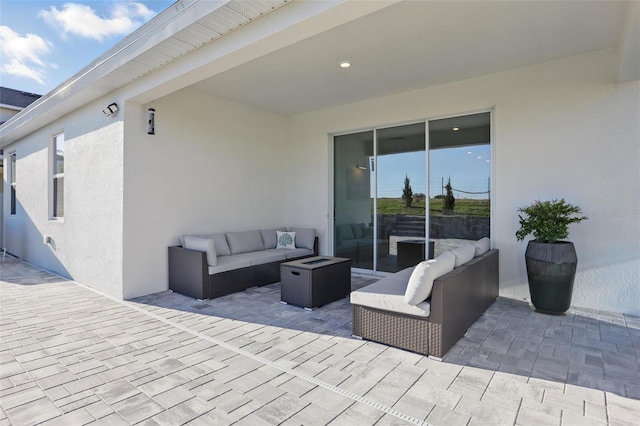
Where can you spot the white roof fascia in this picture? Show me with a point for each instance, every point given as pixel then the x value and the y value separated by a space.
pixel 286 26
pixel 174 19
pixel 227 48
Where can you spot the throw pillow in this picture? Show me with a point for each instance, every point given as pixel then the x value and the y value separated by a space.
pixel 482 246
pixel 286 240
pixel 463 254
pixel 206 245
pixel 421 281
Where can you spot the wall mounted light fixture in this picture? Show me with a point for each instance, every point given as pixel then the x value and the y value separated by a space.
pixel 110 109
pixel 151 130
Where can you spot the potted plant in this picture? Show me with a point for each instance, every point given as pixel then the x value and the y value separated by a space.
pixel 551 261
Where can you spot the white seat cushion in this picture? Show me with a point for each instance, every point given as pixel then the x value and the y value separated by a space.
pixel 388 295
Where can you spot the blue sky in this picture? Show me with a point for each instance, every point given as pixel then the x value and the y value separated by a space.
pixel 43 43
pixel 469 168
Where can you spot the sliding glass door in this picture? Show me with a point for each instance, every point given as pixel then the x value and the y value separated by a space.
pixel 380 196
pixel 459 180
pixel 353 214
pixel 401 196
pixel 397 202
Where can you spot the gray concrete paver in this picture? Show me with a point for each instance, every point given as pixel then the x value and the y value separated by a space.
pixel 485 413
pixel 75 417
pixel 69 355
pixel 36 411
pixel 441 416
pixel 137 408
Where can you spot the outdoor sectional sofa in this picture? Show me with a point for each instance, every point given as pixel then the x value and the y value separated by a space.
pixel 220 264
pixel 432 326
pixel 355 241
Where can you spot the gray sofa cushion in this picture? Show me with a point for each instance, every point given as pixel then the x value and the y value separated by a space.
pixel 206 245
pixel 229 263
pixel 293 253
pixel 269 237
pixel 305 237
pixel 244 242
pixel 222 248
pixel 262 257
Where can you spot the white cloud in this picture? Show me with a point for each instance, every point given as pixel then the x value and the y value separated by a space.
pixel 22 55
pixel 82 20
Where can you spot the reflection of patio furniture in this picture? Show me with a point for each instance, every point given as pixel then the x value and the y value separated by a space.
pixel 315 281
pixel 412 252
pixel 355 241
pixel 432 327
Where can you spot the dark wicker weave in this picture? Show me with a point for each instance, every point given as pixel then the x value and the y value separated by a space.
pixel 312 286
pixel 189 275
pixel 458 299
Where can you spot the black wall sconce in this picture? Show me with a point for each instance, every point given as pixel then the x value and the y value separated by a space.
pixel 151 130
pixel 110 109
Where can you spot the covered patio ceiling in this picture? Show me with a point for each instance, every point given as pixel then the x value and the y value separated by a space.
pixel 416 44
pixel 283 55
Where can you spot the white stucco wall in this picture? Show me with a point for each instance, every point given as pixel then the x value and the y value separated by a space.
pixel 87 244
pixel 561 129
pixel 212 166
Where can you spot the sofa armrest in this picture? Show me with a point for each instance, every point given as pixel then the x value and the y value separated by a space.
pixel 188 272
pixel 461 296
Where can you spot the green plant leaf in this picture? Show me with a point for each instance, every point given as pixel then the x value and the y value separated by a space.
pixel 548 221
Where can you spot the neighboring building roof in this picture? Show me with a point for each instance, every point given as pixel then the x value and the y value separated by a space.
pixel 16 98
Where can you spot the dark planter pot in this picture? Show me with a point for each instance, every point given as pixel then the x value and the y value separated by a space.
pixel 551 269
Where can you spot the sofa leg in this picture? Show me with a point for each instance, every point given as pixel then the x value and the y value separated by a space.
pixel 356 337
pixel 435 358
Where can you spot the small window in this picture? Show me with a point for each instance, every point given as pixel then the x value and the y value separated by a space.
pixel 12 180
pixel 58 176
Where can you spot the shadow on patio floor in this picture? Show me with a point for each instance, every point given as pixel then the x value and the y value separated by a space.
pixel 588 349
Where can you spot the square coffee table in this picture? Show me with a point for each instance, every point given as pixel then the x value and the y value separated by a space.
pixel 315 281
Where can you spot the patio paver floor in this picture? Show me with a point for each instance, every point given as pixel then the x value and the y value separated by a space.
pixel 69 355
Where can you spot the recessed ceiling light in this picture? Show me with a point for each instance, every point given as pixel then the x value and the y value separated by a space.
pixel 455 129
pixel 345 64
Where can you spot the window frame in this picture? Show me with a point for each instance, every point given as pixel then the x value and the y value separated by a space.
pixel 55 179
pixel 13 198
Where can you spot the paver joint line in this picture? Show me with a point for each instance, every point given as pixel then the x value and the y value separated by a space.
pixel 340 391
pixel 310 379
